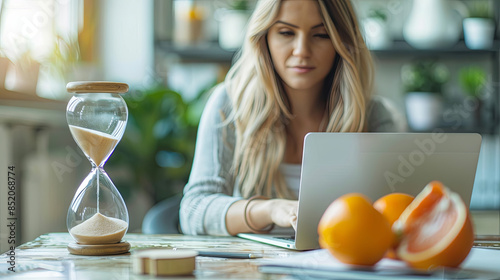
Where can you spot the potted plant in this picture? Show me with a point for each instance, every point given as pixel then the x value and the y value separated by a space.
pixel 22 74
pixel 4 65
pixel 433 24
pixel 423 83
pixel 58 68
pixel 376 30
pixel 233 20
pixel 190 17
pixel 473 81
pixel 479 26
pixel 4 61
pixel 157 148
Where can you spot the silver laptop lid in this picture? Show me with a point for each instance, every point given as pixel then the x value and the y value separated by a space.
pixel 376 164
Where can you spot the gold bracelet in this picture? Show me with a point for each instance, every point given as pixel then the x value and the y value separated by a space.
pixel 245 213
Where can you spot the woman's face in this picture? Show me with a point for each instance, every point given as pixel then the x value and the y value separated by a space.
pixel 301 49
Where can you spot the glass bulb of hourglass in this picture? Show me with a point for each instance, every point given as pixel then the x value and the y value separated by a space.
pixel 97 120
pixel 97 214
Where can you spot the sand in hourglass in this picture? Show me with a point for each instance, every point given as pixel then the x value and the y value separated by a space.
pixel 99 229
pixel 97 145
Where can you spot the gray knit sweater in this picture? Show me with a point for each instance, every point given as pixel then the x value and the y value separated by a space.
pixel 211 187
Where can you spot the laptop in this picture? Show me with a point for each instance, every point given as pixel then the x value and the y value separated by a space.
pixel 374 164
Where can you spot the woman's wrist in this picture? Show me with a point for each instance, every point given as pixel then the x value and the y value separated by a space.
pixel 262 210
pixel 258 214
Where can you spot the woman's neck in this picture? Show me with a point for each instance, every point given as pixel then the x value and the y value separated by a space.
pixel 307 106
pixel 308 111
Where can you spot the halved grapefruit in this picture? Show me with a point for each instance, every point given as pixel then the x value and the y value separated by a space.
pixel 435 229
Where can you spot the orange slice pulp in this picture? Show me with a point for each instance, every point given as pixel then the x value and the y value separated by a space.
pixel 435 229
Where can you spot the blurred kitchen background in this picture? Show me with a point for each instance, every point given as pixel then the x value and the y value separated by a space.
pixel 437 62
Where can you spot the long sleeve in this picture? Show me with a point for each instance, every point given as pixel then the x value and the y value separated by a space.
pixel 384 117
pixel 210 190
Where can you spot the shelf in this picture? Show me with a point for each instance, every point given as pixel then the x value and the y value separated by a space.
pixel 203 52
pixel 30 109
pixel 212 52
pixel 400 47
pixel 486 127
pixel 443 129
pixel 19 99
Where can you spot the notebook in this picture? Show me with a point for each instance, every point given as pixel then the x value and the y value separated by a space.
pixel 374 164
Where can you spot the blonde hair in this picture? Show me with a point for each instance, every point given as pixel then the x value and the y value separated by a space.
pixel 260 106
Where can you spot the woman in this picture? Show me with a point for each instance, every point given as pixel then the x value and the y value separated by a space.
pixel 304 67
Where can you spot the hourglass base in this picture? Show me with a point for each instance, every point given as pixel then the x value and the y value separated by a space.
pixel 99 250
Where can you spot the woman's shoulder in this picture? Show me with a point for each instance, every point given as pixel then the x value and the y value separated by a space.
pixel 383 116
pixel 218 99
pixel 218 106
pixel 378 105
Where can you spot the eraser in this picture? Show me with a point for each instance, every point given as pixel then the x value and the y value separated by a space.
pixel 164 262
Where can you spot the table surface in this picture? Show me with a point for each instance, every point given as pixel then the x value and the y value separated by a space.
pixel 47 257
pixel 49 253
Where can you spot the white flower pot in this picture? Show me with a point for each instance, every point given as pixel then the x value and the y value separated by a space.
pixel 479 33
pixel 424 110
pixel 232 28
pixel 22 76
pixel 189 23
pixel 433 24
pixel 376 34
pixel 4 65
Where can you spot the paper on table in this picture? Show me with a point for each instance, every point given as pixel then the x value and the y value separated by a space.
pixel 480 264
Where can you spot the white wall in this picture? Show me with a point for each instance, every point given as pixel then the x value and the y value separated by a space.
pixel 5 161
pixel 126 41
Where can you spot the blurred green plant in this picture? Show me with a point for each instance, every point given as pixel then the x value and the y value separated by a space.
pixel 377 13
pixel 64 57
pixel 424 76
pixel 480 9
pixel 25 61
pixel 472 80
pixel 157 147
pixel 241 5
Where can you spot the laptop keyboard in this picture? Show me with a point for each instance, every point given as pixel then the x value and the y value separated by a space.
pixel 286 238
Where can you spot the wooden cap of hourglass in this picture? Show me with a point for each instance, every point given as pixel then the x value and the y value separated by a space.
pixel 96 87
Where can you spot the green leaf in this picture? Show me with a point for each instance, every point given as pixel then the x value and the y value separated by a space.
pixel 424 76
pixel 472 80
pixel 159 120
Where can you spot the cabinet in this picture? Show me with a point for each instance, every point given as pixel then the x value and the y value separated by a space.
pixel 399 51
pixel 460 56
pixel 209 52
pixel 388 74
pixel 388 83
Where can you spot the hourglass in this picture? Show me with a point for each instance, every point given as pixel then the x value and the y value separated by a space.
pixel 97 216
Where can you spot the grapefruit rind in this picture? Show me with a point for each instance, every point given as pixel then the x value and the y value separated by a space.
pixel 428 196
pixel 452 249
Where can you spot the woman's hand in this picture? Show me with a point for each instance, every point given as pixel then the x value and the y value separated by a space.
pixel 283 212
pixel 261 214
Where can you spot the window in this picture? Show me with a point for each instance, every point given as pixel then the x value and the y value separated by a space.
pixel 40 38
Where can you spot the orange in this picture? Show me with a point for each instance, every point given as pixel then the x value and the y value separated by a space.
pixel 436 229
pixel 354 231
pixel 391 206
